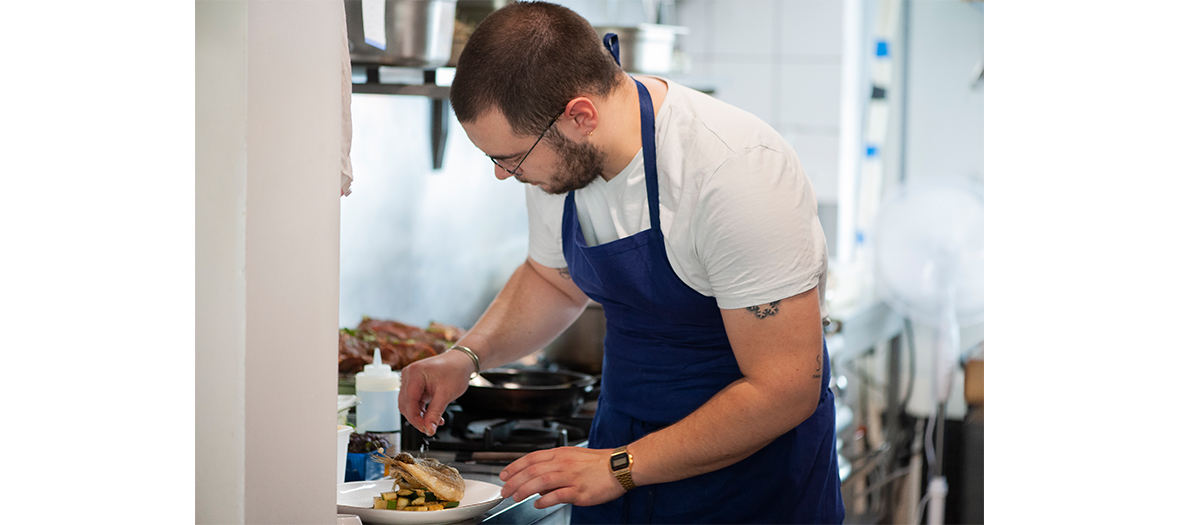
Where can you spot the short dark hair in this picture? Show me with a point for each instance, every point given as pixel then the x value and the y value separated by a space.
pixel 529 59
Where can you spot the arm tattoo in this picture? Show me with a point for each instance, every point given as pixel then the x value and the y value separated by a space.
pixel 762 312
pixel 564 272
pixel 819 367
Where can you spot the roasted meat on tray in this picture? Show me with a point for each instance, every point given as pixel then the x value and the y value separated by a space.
pixel 400 343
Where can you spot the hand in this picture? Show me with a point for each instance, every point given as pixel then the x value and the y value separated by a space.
pixel 562 475
pixel 429 385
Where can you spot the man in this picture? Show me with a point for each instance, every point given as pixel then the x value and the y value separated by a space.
pixel 695 227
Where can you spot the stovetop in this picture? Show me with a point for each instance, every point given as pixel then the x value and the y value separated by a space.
pixel 499 441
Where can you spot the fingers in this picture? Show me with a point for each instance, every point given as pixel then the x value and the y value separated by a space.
pixel 543 479
pixel 433 418
pixel 562 475
pixel 428 386
pixel 428 416
pixel 412 399
pixel 525 462
pixel 561 495
pixel 537 473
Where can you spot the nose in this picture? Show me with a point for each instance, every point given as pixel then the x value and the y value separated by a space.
pixel 501 173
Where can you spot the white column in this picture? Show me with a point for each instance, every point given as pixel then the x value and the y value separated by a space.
pixel 221 97
pixel 268 211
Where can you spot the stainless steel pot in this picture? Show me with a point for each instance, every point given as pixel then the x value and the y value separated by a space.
pixel 646 48
pixel 417 33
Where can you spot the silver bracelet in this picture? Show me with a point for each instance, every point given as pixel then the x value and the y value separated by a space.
pixel 474 358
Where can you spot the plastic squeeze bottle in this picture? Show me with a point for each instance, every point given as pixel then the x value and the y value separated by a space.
pixel 376 393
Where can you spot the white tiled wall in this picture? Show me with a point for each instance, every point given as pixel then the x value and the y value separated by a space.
pixel 780 60
pixel 742 31
pixel 810 28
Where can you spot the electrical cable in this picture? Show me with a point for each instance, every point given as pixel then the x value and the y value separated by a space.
pixel 930 442
pixel 909 337
pixel 877 485
pixel 922 507
pixel 880 473
pixel 869 453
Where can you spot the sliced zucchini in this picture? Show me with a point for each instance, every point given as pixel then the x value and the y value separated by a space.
pixel 450 504
pixel 418 501
pixel 388 496
pixel 404 492
pixel 430 496
pixel 401 503
pixel 378 502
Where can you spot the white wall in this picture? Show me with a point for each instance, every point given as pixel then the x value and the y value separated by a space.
pixel 221 95
pixel 419 245
pixel 781 61
pixel 945 112
pixel 268 161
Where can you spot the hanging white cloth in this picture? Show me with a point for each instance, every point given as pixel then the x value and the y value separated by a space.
pixel 346 109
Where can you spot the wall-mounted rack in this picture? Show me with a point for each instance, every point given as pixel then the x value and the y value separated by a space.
pixel 440 105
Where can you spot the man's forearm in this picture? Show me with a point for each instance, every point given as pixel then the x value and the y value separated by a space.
pixel 779 348
pixel 527 314
pixel 734 424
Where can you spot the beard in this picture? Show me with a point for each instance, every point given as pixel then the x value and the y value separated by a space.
pixel 581 164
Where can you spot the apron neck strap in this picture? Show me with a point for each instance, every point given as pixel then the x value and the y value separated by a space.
pixel 611 41
pixel 647 121
pixel 647 128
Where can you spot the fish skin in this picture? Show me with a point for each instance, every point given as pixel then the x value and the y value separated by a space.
pixel 444 481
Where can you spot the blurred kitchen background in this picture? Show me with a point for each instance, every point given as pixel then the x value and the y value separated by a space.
pixel 422 244
pixel 868 92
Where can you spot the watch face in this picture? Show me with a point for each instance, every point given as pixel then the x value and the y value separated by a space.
pixel 618 461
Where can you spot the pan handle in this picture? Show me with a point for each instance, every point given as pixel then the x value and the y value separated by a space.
pixel 588 383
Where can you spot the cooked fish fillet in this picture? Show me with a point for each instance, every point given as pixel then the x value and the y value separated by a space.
pixel 430 474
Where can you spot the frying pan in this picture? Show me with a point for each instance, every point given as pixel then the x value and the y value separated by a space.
pixel 527 394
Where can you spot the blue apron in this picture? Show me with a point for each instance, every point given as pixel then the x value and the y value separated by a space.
pixel 666 353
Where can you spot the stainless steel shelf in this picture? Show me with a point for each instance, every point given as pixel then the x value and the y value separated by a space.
pixel 440 107
pixel 420 90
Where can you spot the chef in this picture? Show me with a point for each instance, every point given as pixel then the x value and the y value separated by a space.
pixel 695 226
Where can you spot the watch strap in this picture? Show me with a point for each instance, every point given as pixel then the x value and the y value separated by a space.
pixel 623 474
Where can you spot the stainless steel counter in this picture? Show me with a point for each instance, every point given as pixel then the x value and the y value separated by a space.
pixel 858 329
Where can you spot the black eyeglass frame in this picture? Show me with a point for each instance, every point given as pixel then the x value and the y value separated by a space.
pixel 515 171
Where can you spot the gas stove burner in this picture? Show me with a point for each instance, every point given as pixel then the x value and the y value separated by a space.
pixel 528 432
pixel 475 438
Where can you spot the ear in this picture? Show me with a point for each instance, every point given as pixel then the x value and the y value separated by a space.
pixel 581 116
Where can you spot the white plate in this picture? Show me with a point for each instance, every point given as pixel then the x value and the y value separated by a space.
pixel 356 497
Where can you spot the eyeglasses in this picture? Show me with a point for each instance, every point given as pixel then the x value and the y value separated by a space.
pixel 514 171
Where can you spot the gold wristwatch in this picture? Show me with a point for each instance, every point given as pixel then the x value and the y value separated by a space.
pixel 620 466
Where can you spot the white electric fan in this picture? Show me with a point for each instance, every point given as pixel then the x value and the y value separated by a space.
pixel 928 248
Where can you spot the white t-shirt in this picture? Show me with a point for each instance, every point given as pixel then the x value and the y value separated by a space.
pixel 737 211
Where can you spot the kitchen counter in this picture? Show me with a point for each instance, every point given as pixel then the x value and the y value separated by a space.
pixel 859 328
